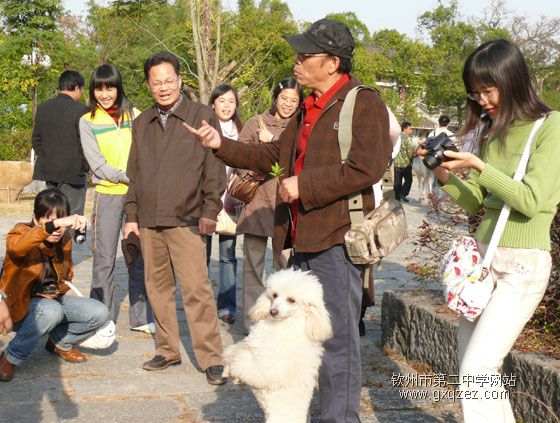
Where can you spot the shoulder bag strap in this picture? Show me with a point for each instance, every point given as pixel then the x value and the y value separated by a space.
pixel 355 200
pixel 504 214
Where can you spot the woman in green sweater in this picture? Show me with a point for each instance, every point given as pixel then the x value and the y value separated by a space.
pixel 502 101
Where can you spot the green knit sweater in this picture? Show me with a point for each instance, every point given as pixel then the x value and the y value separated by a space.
pixel 533 201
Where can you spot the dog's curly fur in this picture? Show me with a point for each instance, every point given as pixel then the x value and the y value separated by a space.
pixel 280 357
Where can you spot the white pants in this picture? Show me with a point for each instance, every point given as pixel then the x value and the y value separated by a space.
pixel 521 277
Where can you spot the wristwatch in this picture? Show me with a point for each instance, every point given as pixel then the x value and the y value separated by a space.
pixel 2 296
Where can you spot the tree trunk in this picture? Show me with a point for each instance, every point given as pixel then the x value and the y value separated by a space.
pixel 206 27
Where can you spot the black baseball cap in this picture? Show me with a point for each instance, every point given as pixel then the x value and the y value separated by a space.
pixel 324 36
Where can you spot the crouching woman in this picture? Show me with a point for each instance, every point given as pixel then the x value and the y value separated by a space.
pixel 38 260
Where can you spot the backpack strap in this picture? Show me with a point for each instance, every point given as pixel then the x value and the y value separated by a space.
pixel 355 200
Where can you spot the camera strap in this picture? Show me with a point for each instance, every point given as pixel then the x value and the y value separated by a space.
pixel 50 272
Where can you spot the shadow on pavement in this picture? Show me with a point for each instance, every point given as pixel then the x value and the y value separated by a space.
pixel 38 391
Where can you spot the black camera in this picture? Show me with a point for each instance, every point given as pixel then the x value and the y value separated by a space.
pixel 47 286
pixel 436 146
pixel 79 236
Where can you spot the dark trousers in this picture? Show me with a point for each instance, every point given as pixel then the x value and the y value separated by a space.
pixel 402 173
pixel 76 194
pixel 340 375
pixel 226 299
pixel 139 312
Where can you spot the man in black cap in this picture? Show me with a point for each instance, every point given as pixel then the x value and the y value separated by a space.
pixel 312 206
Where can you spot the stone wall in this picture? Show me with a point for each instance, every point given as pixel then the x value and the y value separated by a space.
pixel 415 325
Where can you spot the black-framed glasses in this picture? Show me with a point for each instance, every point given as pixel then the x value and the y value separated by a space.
pixel 300 57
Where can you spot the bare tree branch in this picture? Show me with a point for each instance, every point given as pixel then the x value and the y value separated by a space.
pixel 160 42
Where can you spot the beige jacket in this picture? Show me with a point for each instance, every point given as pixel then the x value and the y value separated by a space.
pixel 257 217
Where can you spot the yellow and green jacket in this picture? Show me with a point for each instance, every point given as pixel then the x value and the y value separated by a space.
pixel 106 146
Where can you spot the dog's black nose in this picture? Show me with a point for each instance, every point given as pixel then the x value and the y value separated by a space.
pixel 273 312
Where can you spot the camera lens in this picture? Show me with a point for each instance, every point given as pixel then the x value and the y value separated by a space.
pixel 431 162
pixel 79 237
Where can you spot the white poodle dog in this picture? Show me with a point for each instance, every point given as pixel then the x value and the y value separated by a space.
pixel 280 357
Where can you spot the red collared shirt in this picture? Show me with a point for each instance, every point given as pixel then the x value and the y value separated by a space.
pixel 312 108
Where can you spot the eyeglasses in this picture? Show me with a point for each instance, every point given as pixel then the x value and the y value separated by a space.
pixel 476 96
pixel 300 57
pixel 158 84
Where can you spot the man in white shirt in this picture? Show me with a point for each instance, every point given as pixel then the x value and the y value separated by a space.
pixel 443 124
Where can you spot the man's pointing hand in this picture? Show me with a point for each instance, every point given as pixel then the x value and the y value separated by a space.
pixel 207 134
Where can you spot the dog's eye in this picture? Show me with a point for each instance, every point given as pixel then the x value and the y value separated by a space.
pixel 291 300
pixel 275 295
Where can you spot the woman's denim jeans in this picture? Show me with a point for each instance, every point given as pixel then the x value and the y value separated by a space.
pixel 226 300
pixel 67 320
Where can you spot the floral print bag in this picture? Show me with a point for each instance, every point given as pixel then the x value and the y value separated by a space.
pixel 467 281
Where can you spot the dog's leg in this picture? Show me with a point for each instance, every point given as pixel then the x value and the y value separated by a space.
pixel 425 182
pixel 254 369
pixel 432 178
pixel 420 187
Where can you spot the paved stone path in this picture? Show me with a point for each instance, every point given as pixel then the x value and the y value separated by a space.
pixel 112 387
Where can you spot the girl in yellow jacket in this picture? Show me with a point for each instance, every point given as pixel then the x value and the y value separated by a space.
pixel 106 136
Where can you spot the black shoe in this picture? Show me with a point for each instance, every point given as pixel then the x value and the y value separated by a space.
pixel 214 375
pixel 228 318
pixel 406 200
pixel 159 362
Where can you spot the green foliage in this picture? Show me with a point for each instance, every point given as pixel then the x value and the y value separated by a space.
pixel 269 59
pixel 29 24
pixel 452 40
pixel 441 15
pixel 399 61
pixel 252 54
pixel 30 16
pixel 551 87
pixel 547 315
pixel 15 145
pixel 488 33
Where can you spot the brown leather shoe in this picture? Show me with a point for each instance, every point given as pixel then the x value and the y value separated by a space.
pixel 6 369
pixel 159 362
pixel 71 356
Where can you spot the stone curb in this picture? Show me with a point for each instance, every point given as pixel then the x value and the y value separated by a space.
pixel 412 326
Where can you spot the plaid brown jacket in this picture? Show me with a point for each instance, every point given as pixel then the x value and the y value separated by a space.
pixel 324 182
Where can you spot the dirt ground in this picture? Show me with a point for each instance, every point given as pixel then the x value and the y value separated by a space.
pixel 24 207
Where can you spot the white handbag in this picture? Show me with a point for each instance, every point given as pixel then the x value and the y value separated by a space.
pixel 227 223
pixel 467 281
pixel 103 337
